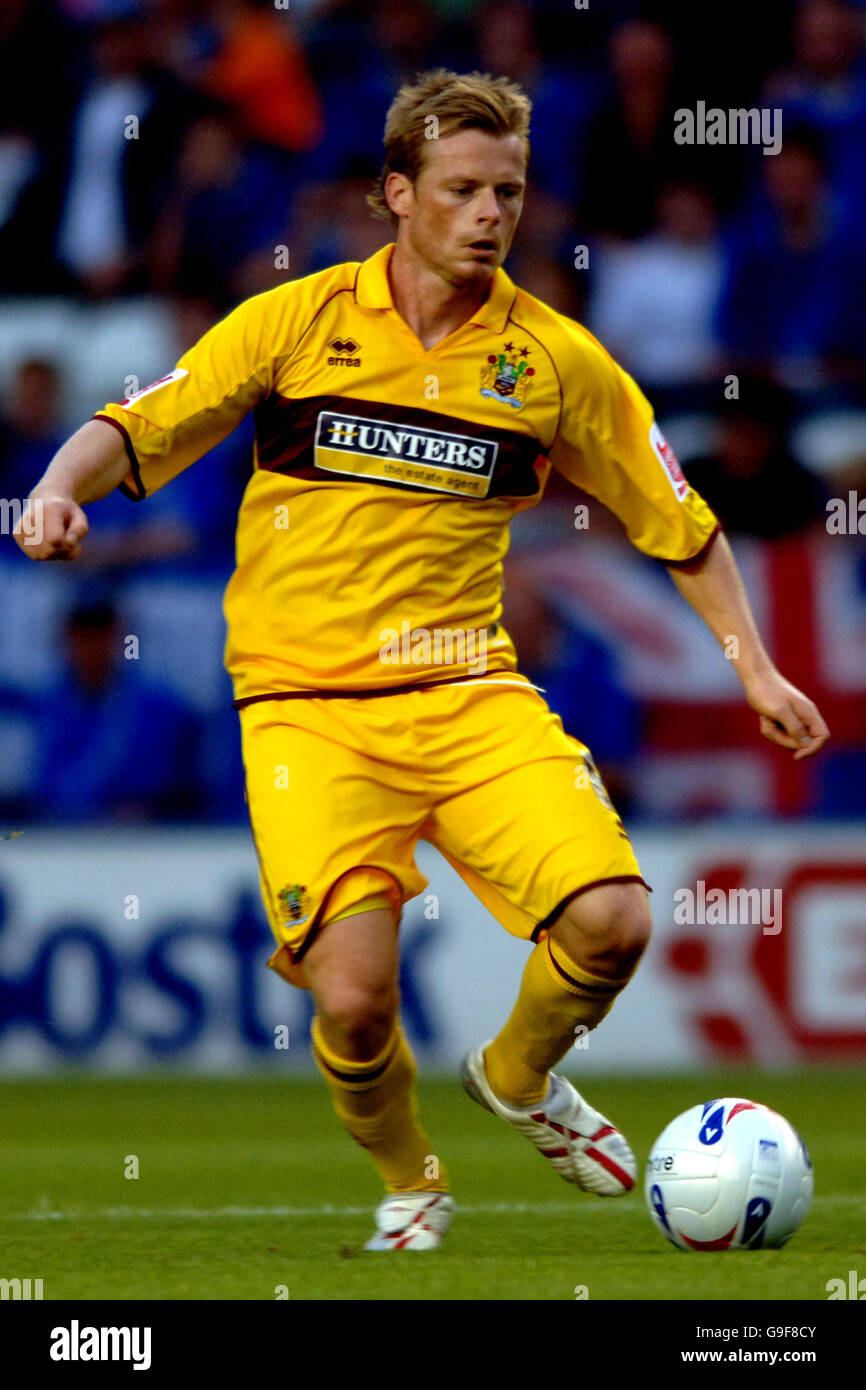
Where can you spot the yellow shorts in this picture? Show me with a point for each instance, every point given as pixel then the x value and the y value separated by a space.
pixel 341 789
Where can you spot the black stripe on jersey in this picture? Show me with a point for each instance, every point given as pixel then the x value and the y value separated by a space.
pixel 136 493
pixel 375 693
pixel 286 432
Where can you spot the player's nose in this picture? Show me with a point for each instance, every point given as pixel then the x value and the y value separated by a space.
pixel 488 209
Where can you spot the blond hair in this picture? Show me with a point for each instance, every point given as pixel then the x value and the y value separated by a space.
pixel 454 101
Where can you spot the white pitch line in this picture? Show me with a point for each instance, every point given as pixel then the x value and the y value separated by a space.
pixel 211 1213
pixel 194 1214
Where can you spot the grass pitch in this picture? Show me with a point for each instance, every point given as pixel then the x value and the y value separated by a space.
pixel 248 1185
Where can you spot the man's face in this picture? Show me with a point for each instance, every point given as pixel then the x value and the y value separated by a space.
pixel 459 216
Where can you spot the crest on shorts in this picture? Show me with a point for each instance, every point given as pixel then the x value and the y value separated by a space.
pixel 506 376
pixel 296 904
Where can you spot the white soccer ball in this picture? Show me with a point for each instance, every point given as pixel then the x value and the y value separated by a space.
pixel 729 1175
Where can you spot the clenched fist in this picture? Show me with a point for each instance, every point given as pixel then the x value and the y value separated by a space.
pixel 51 528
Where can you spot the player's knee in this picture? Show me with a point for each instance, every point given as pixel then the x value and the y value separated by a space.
pixel 608 928
pixel 359 1020
pixel 631 934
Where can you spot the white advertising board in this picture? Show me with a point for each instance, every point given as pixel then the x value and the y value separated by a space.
pixel 128 950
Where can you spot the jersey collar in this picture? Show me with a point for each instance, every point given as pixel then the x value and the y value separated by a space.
pixel 373 291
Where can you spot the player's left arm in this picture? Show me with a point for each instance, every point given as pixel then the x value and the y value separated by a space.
pixel 713 587
pixel 608 444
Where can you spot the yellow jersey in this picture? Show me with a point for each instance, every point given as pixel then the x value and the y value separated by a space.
pixel 374 525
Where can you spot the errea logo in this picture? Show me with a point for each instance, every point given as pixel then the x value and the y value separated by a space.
pixel 344 352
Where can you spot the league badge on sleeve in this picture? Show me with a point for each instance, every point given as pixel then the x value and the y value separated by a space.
pixel 177 375
pixel 669 461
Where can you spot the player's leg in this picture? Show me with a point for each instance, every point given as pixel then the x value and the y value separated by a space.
pixel 358 1043
pixel 570 983
pixel 513 1075
pixel 539 842
pixel 335 842
pixel 560 996
pixel 353 971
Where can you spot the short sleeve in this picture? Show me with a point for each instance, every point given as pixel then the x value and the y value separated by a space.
pixel 171 423
pixel 609 444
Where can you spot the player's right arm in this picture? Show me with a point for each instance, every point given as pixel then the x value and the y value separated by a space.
pixel 148 438
pixel 87 467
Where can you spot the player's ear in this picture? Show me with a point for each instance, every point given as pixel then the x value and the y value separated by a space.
pixel 398 193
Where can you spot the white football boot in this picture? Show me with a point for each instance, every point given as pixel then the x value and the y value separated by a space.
pixel 411 1221
pixel 583 1147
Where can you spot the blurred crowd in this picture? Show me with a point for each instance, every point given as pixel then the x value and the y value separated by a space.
pixel 162 159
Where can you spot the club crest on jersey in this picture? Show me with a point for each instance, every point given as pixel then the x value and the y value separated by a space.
pixel 296 904
pixel 506 377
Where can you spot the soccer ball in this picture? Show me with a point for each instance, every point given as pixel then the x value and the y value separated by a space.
pixel 729 1175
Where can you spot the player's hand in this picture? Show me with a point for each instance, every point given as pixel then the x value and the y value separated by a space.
pixel 788 717
pixel 51 528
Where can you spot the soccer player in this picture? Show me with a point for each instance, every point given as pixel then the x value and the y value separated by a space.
pixel 405 409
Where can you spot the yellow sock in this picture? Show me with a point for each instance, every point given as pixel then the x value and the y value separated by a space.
pixel 556 998
pixel 375 1101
